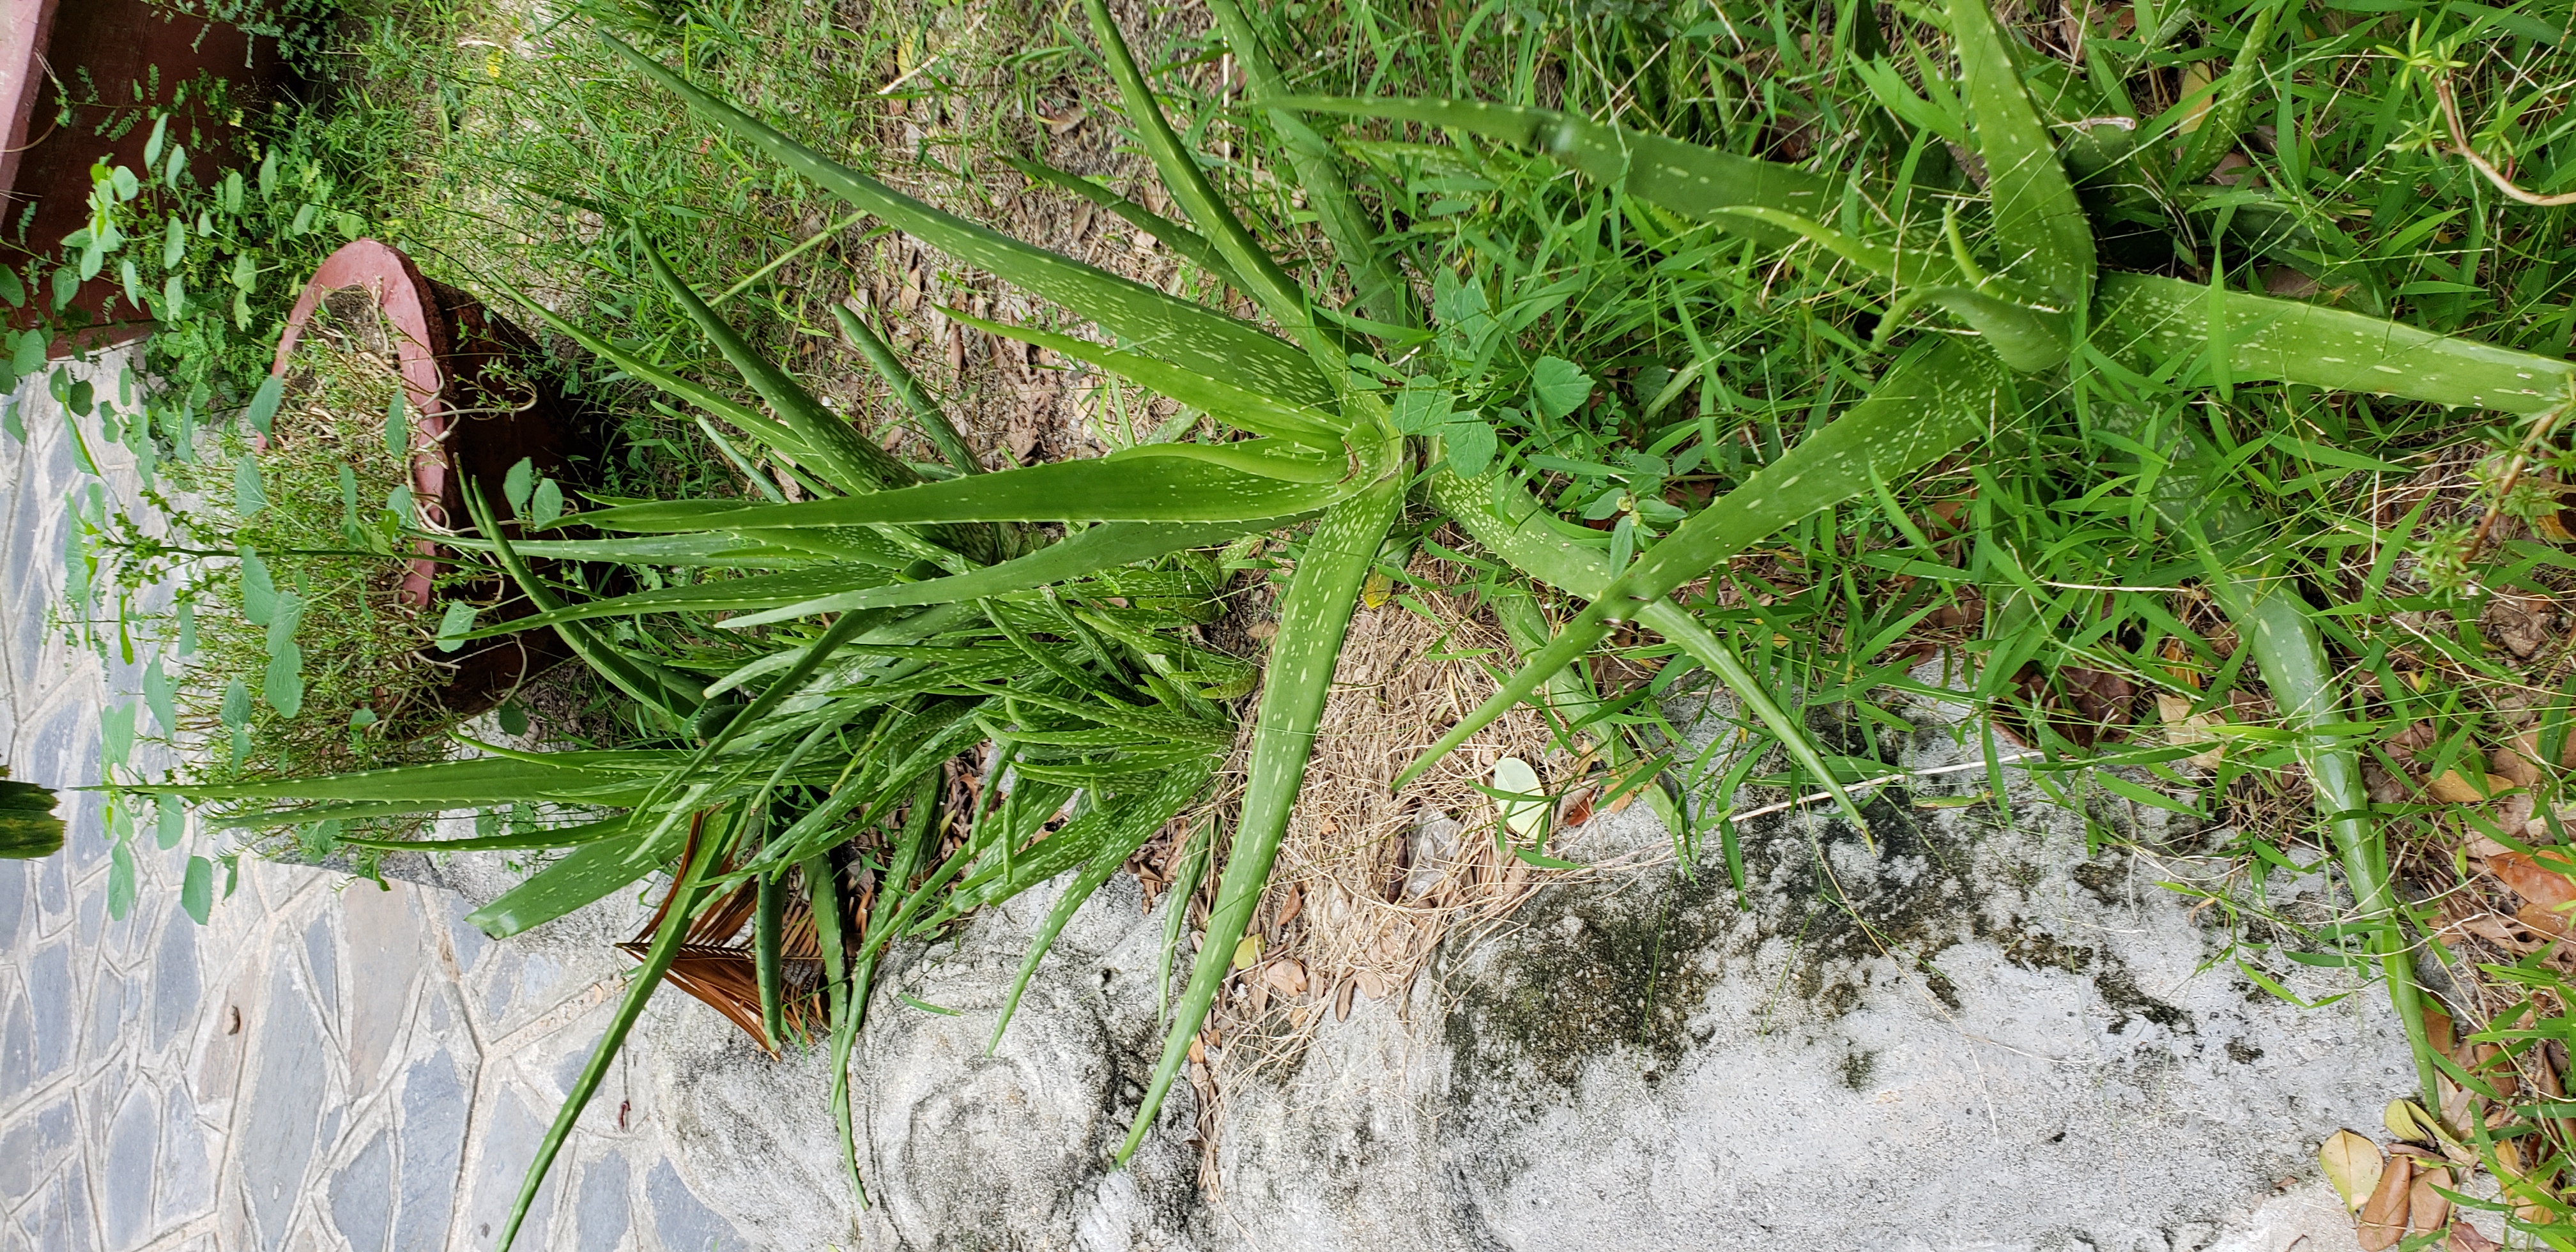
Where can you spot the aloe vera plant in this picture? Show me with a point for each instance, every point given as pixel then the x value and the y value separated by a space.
pixel 2039 305
pixel 910 618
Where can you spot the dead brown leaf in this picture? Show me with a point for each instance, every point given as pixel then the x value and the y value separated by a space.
pixel 1288 978
pixel 2467 1238
pixel 2523 623
pixel 2426 1208
pixel 1576 809
pixel 2542 919
pixel 1342 1004
pixel 2383 1215
pixel 2437 1030
pixel 2527 879
pixel 2453 787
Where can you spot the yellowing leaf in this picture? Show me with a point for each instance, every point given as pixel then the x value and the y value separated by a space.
pixel 2195 78
pixel 2353 1164
pixel 1377 589
pixel 1526 819
pixel 1247 953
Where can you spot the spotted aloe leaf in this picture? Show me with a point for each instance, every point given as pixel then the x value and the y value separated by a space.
pixel 2270 339
pixel 1171 328
pixel 1382 291
pixel 1313 618
pixel 1938 399
pixel 1683 177
pixel 1140 485
pixel 2034 205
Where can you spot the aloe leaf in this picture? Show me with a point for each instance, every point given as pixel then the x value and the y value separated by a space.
pixel 721 551
pixel 750 421
pixel 768 919
pixel 535 840
pixel 846 460
pixel 2034 206
pixel 1878 259
pixel 1170 234
pixel 485 780
pixel 723 595
pixel 2287 646
pixel 1114 488
pixel 2028 339
pixel 1237 406
pixel 657 962
pixel 1683 177
pixel 1913 417
pixel 585 875
pixel 1313 618
pixel 2270 339
pixel 1128 821
pixel 833 938
pixel 1263 458
pixel 1084 552
pixel 1127 828
pixel 1174 329
pixel 671 695
pixel 1255 269
pixel 926 412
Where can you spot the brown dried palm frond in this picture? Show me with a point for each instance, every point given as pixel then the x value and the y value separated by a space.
pixel 716 963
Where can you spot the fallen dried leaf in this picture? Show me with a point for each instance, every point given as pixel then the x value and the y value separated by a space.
pixel 1247 953
pixel 2543 919
pixel 2352 1163
pixel 1293 904
pixel 1288 978
pixel 2528 879
pixel 1370 984
pixel 1342 1005
pixel 2467 1238
pixel 2437 1032
pixel 2383 1215
pixel 2428 1209
pixel 2508 933
pixel 1577 808
pixel 2451 787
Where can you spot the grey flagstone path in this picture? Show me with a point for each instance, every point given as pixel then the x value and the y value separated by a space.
pixel 325 1065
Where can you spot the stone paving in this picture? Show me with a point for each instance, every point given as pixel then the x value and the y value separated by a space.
pixel 325 1065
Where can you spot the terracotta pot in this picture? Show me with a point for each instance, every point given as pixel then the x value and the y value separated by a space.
pixel 469 425
pixel 124 45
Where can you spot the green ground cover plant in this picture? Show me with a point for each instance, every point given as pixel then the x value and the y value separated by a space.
pixel 2088 348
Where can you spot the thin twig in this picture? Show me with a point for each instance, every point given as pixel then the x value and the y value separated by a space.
pixel 2460 145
